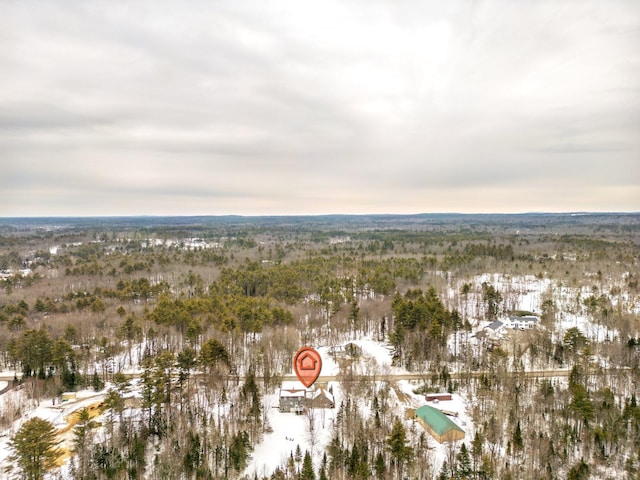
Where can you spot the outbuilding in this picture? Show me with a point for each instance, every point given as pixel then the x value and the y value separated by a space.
pixel 321 398
pixel 441 427
pixel 437 397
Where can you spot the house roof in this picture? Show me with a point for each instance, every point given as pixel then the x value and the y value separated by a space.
pixel 525 318
pixel 437 420
pixel 321 392
pixel 495 325
pixel 292 393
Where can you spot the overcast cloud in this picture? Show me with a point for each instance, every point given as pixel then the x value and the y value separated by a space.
pixel 295 107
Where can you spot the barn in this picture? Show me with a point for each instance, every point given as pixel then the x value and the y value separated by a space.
pixel 441 427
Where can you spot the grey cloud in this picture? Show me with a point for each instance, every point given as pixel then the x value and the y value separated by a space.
pixel 287 105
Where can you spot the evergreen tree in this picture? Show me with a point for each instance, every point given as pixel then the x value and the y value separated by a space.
pixel 354 314
pixel 298 455
pixel 239 451
pixel 487 470
pixel 380 466
pixel 463 468
pixel 581 404
pixel 96 382
pixel 193 456
pixel 212 355
pixel 397 444
pixel 135 455
pixel 518 443
pixel 250 394
pixel 33 350
pixel 35 448
pixel 336 452
pixel 492 298
pixel 476 449
pixel 307 468
pixel 580 471
pixel 323 468
pixel 444 471
pixel 323 474
pixel 82 440
pixel 108 461
pixel 352 461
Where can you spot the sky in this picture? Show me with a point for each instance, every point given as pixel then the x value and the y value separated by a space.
pixel 297 107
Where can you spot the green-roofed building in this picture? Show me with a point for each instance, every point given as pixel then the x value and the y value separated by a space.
pixel 441 427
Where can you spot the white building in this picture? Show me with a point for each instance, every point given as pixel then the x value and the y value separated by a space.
pixel 522 323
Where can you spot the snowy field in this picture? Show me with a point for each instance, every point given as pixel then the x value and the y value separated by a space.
pixel 290 430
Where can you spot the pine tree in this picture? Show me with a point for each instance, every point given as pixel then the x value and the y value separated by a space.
pixel 307 468
pixel 82 441
pixel 518 442
pixel 35 448
pixel 239 451
pixel 323 468
pixel 323 474
pixel 476 449
pixel 463 468
pixel 298 453
pixel 397 442
pixel 354 314
pixel 297 456
pixel 487 470
pixel 444 472
pixel 580 471
pixel 193 457
pixel 96 382
pixel 380 467
pixel 352 461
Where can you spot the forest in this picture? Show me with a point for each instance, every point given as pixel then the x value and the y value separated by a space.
pixel 160 347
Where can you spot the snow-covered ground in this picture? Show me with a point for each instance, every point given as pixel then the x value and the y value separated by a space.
pixel 527 293
pixel 290 430
pixel 458 405
pixel 329 365
pixel 56 413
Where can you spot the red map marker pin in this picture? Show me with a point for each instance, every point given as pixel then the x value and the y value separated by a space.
pixel 307 364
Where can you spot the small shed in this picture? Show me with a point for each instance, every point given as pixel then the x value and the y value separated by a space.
pixel 441 427
pixel 292 400
pixel 437 397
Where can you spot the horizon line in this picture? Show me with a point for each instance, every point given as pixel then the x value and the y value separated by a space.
pixel 311 215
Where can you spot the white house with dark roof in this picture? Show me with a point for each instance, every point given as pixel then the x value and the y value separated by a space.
pixel 522 323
